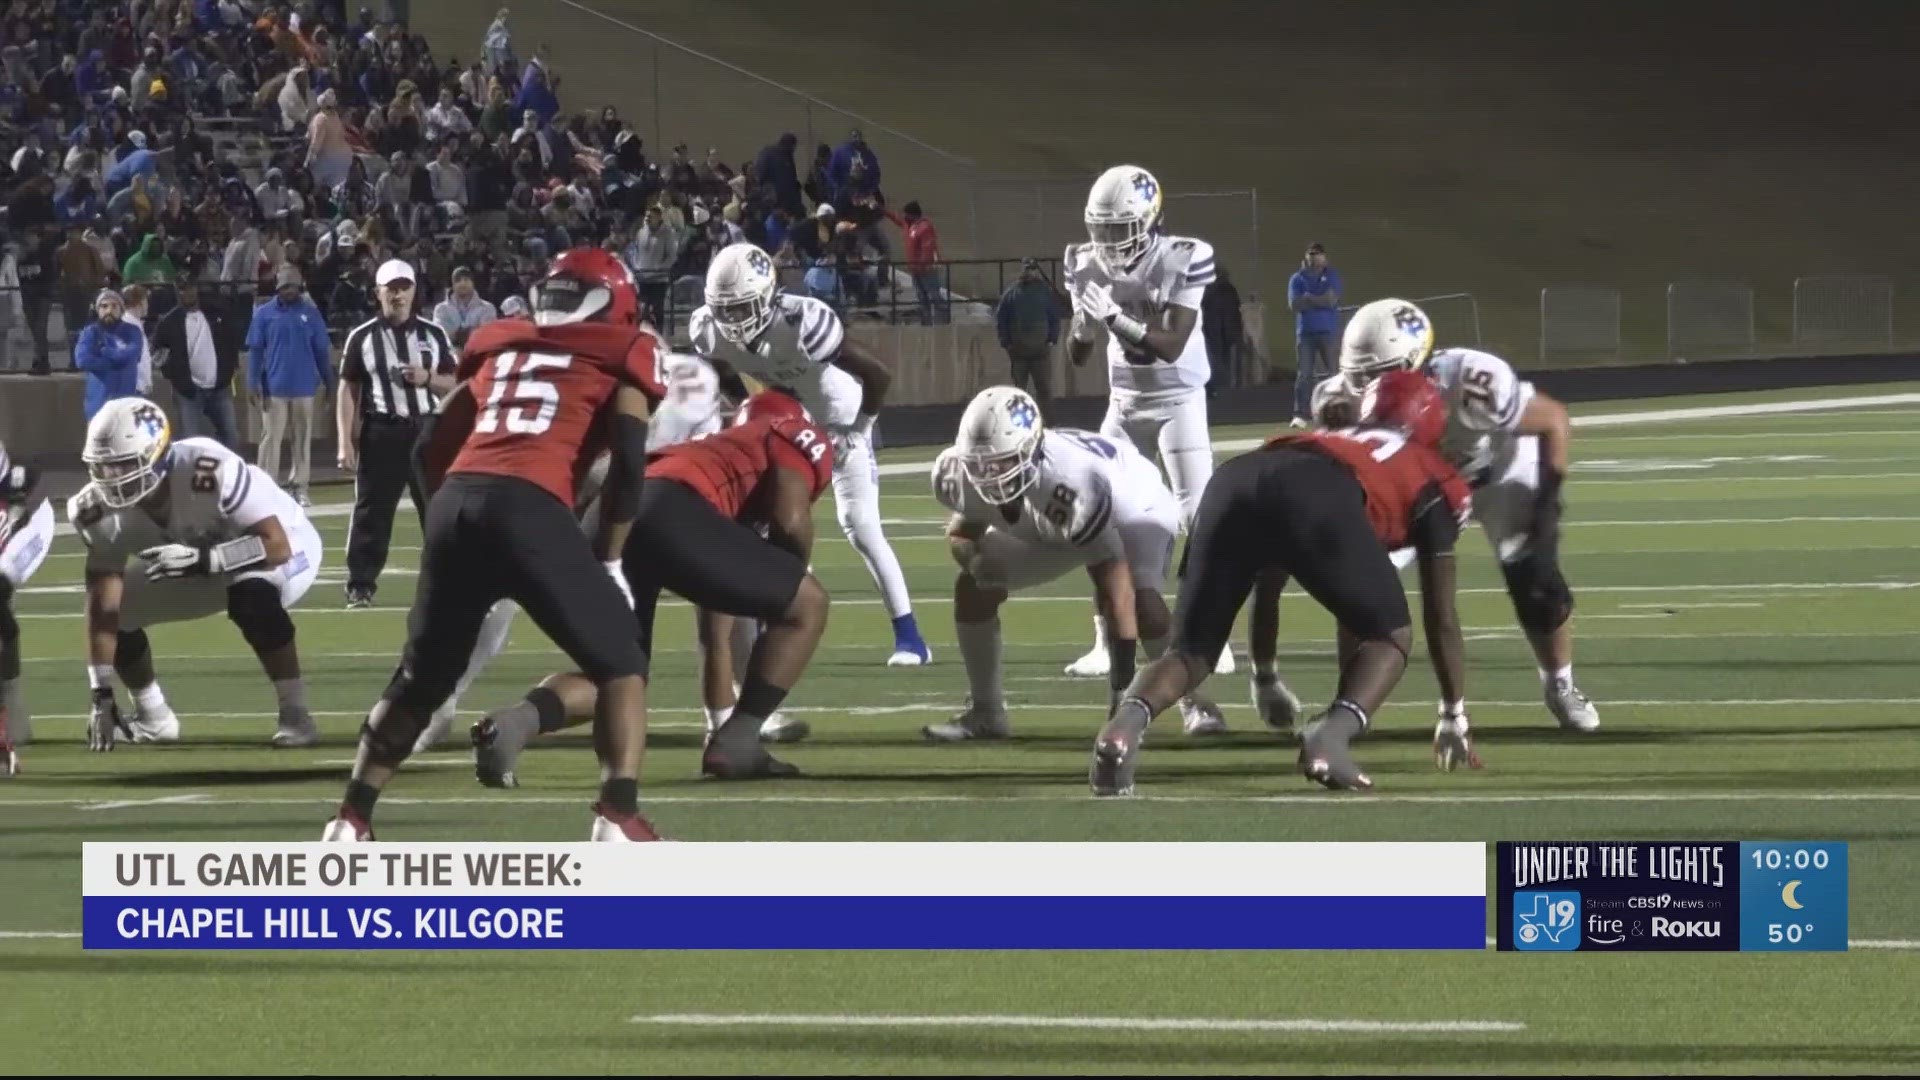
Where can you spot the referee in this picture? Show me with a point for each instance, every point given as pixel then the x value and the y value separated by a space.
pixel 393 370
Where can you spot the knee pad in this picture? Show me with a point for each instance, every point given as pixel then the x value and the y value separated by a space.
pixel 131 647
pixel 382 731
pixel 254 606
pixel 1541 598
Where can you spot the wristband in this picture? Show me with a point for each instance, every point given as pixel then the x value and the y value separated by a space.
pixel 236 554
pixel 1128 329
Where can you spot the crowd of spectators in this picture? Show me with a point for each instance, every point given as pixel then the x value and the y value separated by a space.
pixel 376 150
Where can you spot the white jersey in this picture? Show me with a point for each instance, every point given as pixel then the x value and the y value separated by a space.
pixel 1485 398
pixel 1176 271
pixel 796 352
pixel 213 496
pixel 692 405
pixel 1089 488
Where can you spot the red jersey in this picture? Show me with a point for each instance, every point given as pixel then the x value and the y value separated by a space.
pixel 1400 479
pixel 539 390
pixel 726 469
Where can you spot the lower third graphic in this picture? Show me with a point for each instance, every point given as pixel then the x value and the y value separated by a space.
pixel 1546 921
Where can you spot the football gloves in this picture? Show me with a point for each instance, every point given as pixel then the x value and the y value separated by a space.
pixel 104 723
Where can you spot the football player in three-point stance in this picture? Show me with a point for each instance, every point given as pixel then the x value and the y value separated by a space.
pixel 25 537
pixel 797 343
pixel 1324 508
pixel 214 534
pixel 1142 289
pixel 1030 504
pixel 1510 440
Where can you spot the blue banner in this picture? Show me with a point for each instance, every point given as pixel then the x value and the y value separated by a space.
pixel 564 921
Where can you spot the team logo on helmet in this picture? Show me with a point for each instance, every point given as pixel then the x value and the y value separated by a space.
pixel 1022 412
pixel 760 263
pixel 151 420
pixel 1409 319
pixel 1145 185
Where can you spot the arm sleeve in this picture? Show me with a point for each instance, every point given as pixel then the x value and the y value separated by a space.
pixel 83 350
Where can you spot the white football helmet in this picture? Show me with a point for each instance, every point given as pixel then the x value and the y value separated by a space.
pixel 1123 216
pixel 999 443
pixel 740 290
pixel 1385 335
pixel 126 451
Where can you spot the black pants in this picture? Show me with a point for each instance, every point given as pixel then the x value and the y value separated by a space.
pixel 1284 509
pixel 682 544
pixel 493 538
pixel 386 469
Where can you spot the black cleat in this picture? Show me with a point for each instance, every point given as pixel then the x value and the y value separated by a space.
pixel 1326 758
pixel 495 753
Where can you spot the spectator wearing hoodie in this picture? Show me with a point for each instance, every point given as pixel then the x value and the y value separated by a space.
pixel 149 265
pixel 289 363
pixel 276 199
pixel 83 273
pixel 139 161
pixel 840 167
pixel 773 167
pixel 1028 321
pixel 109 352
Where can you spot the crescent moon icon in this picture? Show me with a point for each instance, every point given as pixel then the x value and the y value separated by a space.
pixel 1786 895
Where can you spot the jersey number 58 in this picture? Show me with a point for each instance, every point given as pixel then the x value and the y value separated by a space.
pixel 527 401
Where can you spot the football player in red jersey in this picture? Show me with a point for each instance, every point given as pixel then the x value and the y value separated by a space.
pixel 697 534
pixel 1326 508
pixel 537 400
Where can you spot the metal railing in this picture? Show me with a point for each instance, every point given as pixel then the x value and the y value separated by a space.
pixel 1843 309
pixel 1456 310
pixel 1705 317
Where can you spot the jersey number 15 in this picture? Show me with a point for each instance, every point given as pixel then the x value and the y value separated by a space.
pixel 527 401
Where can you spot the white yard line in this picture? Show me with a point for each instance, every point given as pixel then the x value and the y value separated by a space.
pixel 1086 1023
pixel 165 800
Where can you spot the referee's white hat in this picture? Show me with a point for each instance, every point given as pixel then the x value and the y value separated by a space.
pixel 393 270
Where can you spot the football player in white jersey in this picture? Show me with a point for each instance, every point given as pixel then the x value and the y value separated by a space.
pixel 25 537
pixel 1142 288
pixel 1030 504
pixel 1509 439
pixel 212 534
pixel 797 343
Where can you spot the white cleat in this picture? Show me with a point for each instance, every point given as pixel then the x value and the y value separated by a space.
pixel 439 726
pixel 1571 707
pixel 1201 717
pixel 609 828
pixel 1094 665
pixel 1224 665
pixel 781 728
pixel 910 658
pixel 973 724
pixel 346 830
pixel 158 725
pixel 296 729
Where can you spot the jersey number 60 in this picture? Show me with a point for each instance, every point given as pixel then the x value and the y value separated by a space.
pixel 528 401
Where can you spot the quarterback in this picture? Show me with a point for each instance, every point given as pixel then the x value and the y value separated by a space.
pixel 213 534
pixel 1140 288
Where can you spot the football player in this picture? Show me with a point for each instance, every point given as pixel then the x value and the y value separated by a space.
pixel 1140 288
pixel 536 402
pixel 1031 503
pixel 25 538
pixel 212 534
pixel 698 534
pixel 1510 440
pixel 1325 508
pixel 750 327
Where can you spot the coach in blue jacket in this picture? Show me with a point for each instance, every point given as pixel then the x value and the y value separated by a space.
pixel 109 352
pixel 289 361
pixel 1314 295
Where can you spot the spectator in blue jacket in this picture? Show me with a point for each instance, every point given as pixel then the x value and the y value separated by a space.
pixel 109 352
pixel 1314 295
pixel 536 95
pixel 1028 320
pixel 289 362
pixel 140 162
pixel 840 166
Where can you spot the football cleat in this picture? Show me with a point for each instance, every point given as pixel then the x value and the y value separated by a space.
pixel 296 729
pixel 154 725
pixel 9 758
pixel 359 598
pixel 910 654
pixel 439 726
pixel 1327 759
pixel 1114 756
pixel 1453 744
pixel 975 723
pixel 781 728
pixel 496 752
pixel 1094 665
pixel 1278 707
pixel 1571 707
pixel 610 827
pixel 1200 717
pixel 347 827
pixel 719 764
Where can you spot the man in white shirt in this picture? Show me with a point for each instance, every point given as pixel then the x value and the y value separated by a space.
pixel 463 311
pixel 445 118
pixel 198 352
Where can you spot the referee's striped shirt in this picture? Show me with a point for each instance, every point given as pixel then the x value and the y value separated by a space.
pixel 376 356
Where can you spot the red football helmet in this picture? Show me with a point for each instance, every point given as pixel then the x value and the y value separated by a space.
pixel 1407 400
pixel 772 405
pixel 586 285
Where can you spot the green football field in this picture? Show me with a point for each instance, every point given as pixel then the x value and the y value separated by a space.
pixel 1747 624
